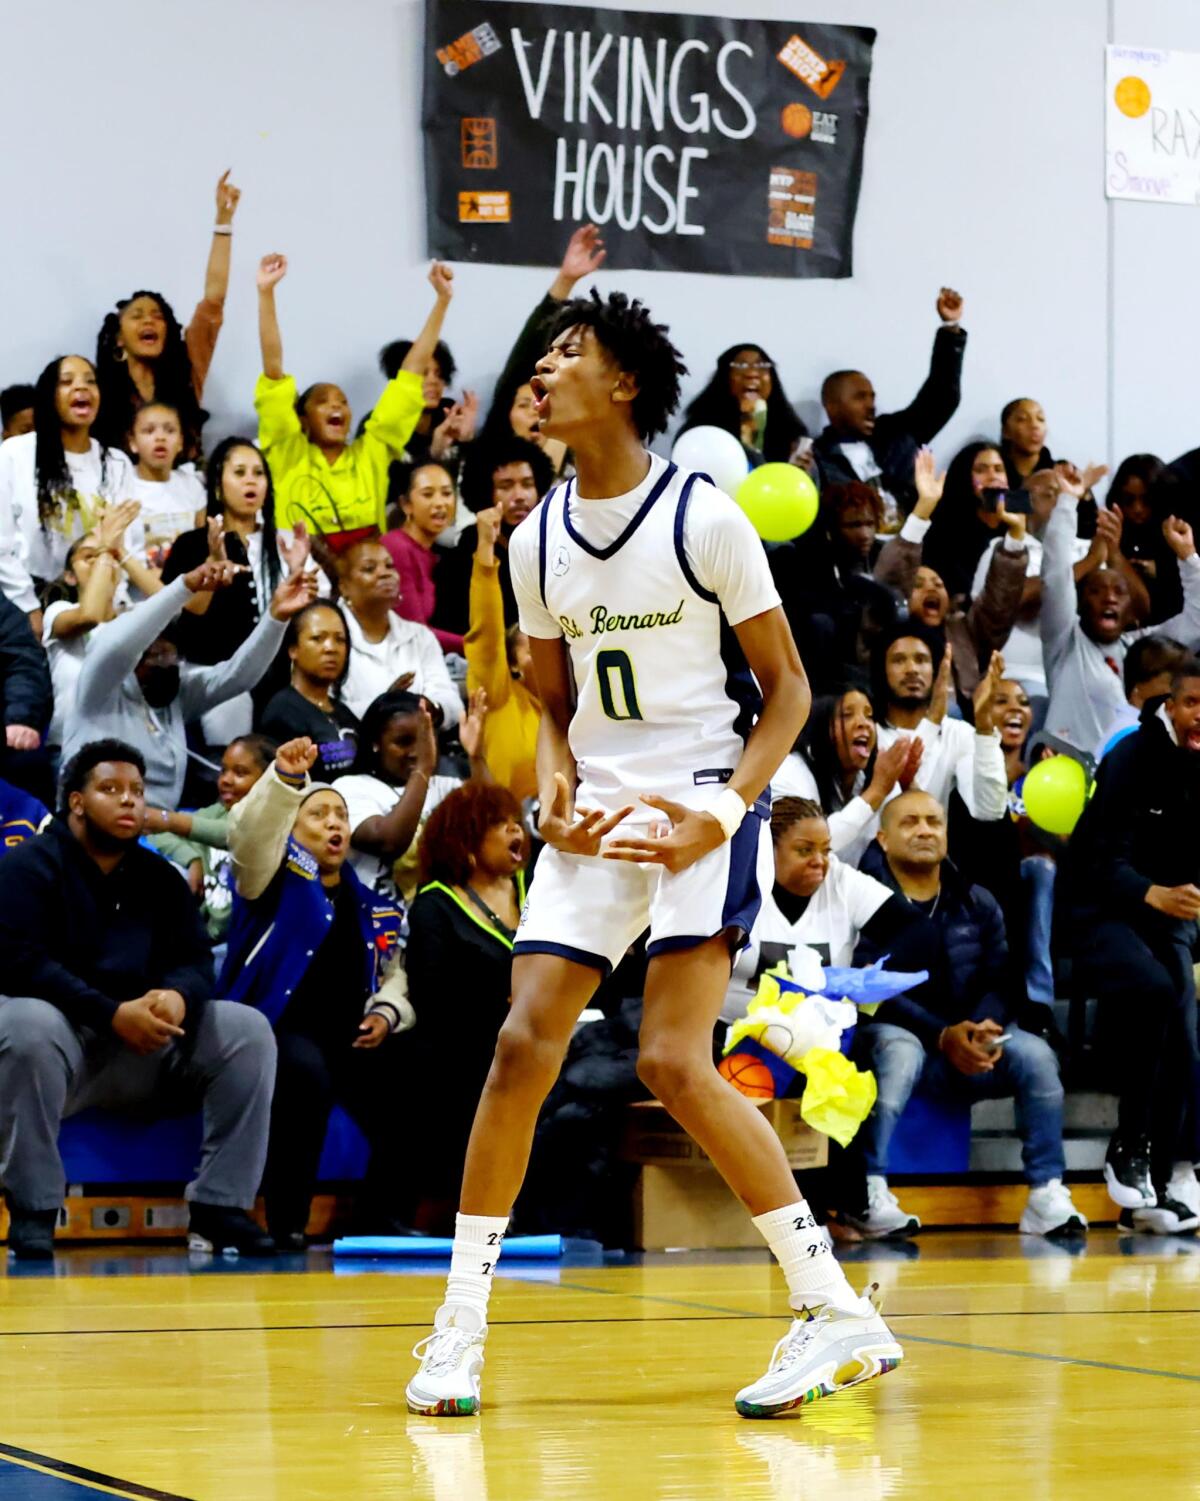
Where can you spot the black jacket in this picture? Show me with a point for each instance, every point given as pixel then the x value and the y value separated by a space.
pixel 898 435
pixel 974 980
pixel 24 673
pixel 1140 829
pixel 87 942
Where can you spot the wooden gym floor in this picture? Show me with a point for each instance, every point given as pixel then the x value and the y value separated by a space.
pixel 1030 1371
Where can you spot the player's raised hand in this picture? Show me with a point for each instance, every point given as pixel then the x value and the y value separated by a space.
pixel 571 830
pixel 689 836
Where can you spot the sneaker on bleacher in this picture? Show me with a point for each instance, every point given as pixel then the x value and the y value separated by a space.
pixel 883 1215
pixel 1051 1211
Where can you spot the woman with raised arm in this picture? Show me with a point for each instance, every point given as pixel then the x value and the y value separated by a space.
pixel 335 484
pixel 143 354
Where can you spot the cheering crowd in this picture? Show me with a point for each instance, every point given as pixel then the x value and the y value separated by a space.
pixel 269 795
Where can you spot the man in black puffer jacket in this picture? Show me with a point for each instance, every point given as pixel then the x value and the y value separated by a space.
pixel 1132 889
pixel 961 1039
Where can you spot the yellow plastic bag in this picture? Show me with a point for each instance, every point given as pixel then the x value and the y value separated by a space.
pixel 838 1097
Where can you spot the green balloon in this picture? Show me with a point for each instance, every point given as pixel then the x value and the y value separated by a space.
pixel 780 500
pixel 1055 793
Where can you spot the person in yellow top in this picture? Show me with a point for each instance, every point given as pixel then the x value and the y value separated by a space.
pixel 334 485
pixel 498 662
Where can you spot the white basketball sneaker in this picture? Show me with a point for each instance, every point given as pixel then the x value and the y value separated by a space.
pixel 825 1350
pixel 1051 1211
pixel 447 1383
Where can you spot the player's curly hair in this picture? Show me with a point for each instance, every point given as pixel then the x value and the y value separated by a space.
pixel 639 345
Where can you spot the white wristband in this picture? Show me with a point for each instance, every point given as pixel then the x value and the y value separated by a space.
pixel 222 229
pixel 729 810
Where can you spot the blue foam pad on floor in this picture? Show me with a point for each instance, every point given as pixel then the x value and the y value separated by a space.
pixel 520 1248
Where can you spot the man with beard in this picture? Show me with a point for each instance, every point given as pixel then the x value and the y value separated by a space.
pixel 1085 629
pixel 911 685
pixel 1133 886
pixel 509 475
pixel 107 977
pixel 133 687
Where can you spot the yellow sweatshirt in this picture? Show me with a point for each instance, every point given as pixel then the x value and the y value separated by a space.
pixel 351 493
pixel 510 729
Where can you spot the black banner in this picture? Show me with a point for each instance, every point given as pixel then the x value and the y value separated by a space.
pixel 696 143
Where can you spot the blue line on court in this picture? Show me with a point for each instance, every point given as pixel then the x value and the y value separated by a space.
pixel 921 1339
pixel 28 1476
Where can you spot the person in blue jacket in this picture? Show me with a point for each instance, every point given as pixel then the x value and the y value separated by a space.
pixel 318 953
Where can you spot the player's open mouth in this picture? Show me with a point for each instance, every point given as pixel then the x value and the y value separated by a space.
pixel 1192 739
pixel 335 420
pixel 82 406
pixel 1015 723
pixel 1110 615
pixel 334 844
pixel 541 397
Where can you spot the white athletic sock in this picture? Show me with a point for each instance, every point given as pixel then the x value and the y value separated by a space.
pixel 477 1242
pixel 806 1258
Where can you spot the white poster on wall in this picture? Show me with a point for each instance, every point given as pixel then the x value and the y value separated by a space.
pixel 1152 125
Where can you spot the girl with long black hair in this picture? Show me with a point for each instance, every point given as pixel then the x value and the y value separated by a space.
pixel 55 482
pixel 240 506
pixel 746 397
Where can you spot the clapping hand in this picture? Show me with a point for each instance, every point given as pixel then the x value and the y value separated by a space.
pixel 986 693
pixel 114 522
pixel 21 737
pixel 942 683
pixel 575 831
pixel 295 758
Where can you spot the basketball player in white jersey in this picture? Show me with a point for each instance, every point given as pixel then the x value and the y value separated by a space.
pixel 653 624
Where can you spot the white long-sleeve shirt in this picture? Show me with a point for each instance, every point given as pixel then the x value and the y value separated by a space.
pixel 955 757
pixel 407 647
pixel 1086 687
pixel 29 550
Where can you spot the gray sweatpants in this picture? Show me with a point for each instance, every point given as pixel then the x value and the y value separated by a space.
pixel 50 1070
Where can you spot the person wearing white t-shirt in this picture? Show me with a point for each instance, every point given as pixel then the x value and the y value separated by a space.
pixel 385 650
pixel 394 788
pixel 171 499
pixel 955 756
pixel 821 903
pixel 54 482
pixel 671 689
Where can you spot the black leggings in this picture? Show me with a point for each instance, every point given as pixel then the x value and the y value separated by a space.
pixel 312 1077
pixel 1143 977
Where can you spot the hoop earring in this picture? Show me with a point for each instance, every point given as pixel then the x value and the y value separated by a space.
pixel 120 354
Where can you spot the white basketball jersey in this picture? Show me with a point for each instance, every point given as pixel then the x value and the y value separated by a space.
pixel 665 699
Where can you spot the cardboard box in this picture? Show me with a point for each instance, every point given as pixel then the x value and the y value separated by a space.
pixel 655 1139
pixel 680 1199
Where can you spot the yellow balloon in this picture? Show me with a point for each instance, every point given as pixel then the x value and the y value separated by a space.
pixel 780 500
pixel 1055 794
